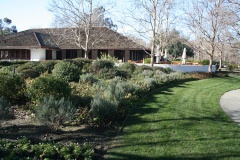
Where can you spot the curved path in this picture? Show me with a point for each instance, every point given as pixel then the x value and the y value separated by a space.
pixel 230 103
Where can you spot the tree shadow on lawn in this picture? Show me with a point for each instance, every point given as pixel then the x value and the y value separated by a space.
pixel 37 134
pixel 123 156
pixel 181 124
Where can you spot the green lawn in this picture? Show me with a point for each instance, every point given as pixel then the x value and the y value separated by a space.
pixel 184 121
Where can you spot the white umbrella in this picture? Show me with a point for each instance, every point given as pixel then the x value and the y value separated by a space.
pixel 184 56
pixel 165 55
pixel 157 55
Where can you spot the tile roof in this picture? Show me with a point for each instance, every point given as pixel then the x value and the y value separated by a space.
pixel 64 38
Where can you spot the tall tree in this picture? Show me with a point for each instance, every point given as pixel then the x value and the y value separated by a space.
pixel 6 27
pixel 147 18
pixel 207 18
pixel 78 18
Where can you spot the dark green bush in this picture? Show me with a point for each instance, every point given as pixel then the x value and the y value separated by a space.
pixel 30 70
pixel 140 69
pixel 4 109
pixel 24 149
pixel 164 70
pixel 48 65
pixel 67 70
pixel 129 68
pixel 53 112
pixel 48 85
pixel 101 64
pixel 106 73
pixel 12 88
pixel 204 62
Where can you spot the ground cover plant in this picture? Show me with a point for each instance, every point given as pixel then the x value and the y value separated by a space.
pixel 180 121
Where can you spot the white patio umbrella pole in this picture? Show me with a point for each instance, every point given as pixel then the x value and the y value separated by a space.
pixel 165 55
pixel 184 56
pixel 157 54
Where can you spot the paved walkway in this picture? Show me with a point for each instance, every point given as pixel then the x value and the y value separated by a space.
pixel 230 103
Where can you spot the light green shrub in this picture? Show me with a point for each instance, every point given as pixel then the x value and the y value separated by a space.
pixel 147 60
pixel 48 85
pixel 128 67
pixel 87 78
pixel 53 112
pixel 67 70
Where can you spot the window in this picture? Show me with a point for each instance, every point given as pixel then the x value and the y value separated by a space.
pixel 17 54
pixel 102 52
pixel 2 55
pixel 12 55
pixel 28 54
pixel 6 54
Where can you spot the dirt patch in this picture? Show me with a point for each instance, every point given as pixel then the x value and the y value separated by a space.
pixel 23 125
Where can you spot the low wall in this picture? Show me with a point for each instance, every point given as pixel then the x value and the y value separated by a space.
pixel 184 68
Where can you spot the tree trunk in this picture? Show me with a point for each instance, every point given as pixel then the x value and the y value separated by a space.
pixel 210 64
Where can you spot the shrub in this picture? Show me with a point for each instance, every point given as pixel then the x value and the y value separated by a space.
pixel 48 85
pixel 165 70
pixel 11 87
pixel 204 62
pixel 53 112
pixel 68 71
pixel 4 109
pixel 82 63
pixel 101 64
pixel 25 149
pixel 106 73
pixel 48 65
pixel 109 96
pixel 30 70
pixel 102 107
pixel 140 69
pixel 232 67
pixel 129 68
pixel 108 57
pixel 87 78
pixel 8 69
pixel 147 60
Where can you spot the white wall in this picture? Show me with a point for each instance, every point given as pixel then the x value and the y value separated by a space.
pixel 184 68
pixel 38 54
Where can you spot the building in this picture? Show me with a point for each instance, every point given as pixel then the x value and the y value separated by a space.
pixel 68 43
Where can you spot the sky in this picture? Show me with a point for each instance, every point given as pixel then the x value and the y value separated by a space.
pixel 26 14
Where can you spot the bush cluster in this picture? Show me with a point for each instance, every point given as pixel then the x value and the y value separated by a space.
pixel 24 149
pixel 48 85
pixel 12 87
pixel 4 109
pixel 67 70
pixel 52 112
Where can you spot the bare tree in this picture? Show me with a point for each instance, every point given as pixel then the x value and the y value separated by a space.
pixel 207 19
pixel 78 18
pixel 146 18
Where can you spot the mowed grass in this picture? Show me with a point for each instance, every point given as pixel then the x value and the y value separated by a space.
pixel 184 121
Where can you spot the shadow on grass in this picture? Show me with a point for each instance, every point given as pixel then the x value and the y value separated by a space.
pixel 180 124
pixel 190 157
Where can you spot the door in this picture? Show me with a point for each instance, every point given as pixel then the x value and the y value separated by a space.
pixel 48 54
